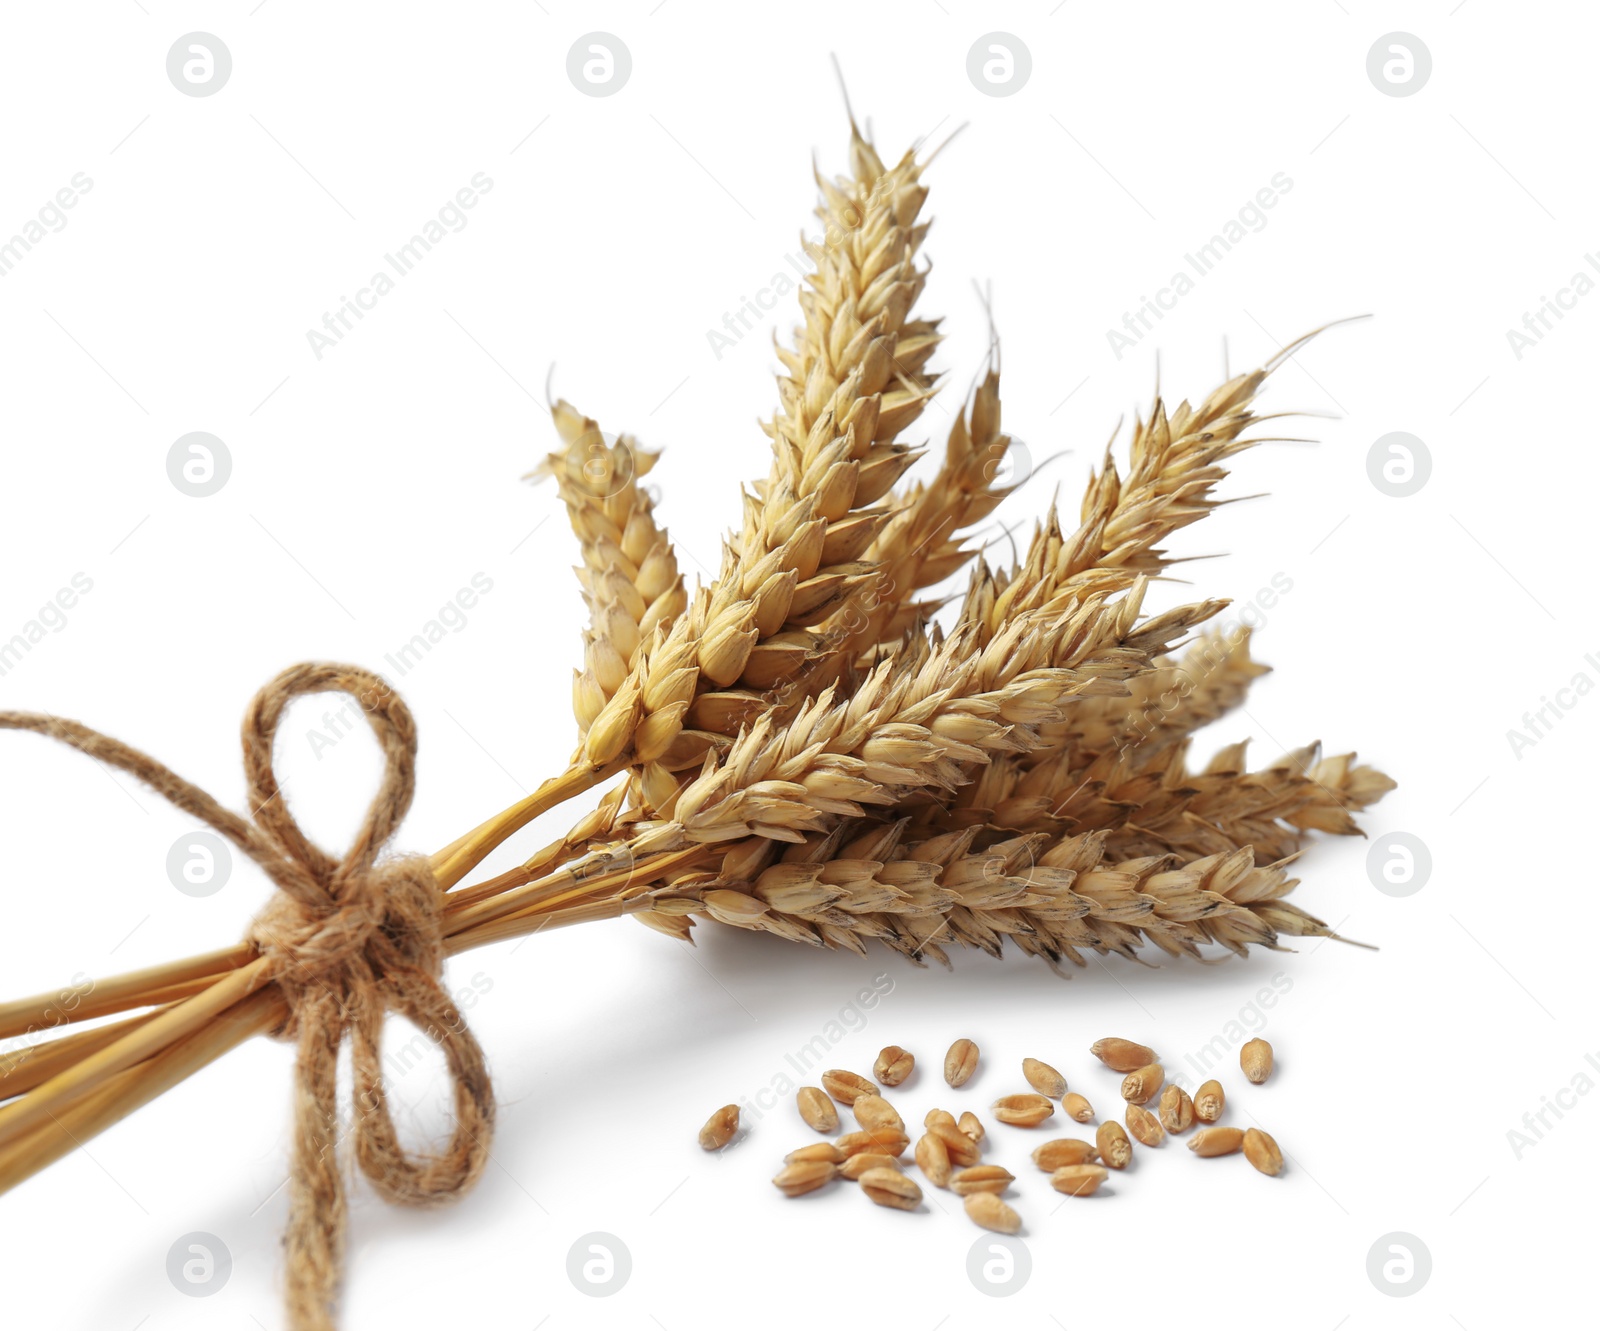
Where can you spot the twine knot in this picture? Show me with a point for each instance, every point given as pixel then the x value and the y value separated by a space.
pixel 348 942
pixel 384 920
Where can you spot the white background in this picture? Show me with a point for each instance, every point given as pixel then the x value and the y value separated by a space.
pixel 369 485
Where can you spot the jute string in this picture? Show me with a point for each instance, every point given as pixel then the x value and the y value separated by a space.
pixel 347 941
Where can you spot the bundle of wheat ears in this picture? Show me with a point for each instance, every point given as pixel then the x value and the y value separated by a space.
pixel 797 748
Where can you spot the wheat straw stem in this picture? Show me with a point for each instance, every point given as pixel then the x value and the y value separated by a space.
pixel 32 1066
pixel 131 1089
pixel 462 855
pixel 136 1045
pixel 114 994
pixel 566 882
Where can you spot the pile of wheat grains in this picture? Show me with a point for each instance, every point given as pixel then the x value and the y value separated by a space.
pixel 949 1152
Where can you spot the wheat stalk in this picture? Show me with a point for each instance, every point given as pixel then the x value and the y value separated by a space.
pixel 801 753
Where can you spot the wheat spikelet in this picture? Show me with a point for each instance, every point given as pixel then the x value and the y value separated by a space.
pixel 644 717
pixel 629 573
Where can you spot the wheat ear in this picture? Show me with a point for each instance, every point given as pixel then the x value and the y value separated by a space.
pixel 921 545
pixel 1054 897
pixel 855 379
pixel 629 575
pixel 1174 463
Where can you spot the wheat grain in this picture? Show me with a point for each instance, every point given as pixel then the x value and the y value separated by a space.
pixel 719 1128
pixel 846 1087
pixel 961 1149
pixel 856 1165
pixel 1023 1111
pixel 987 1211
pixel 1262 1152
pixel 1078 1180
pixel 960 1062
pixel 1176 1108
pixel 816 1109
pixel 873 1111
pixel 1140 1086
pixel 889 1187
pixel 1053 1155
pixel 1077 1108
pixel 1113 1145
pixel 933 1159
pixel 805 1176
pixel 981 1178
pixel 1208 1101
pixel 1255 1058
pixel 1044 1078
pixel 893 1065
pixel 880 1141
pixel 815 1151
pixel 1216 1141
pixel 1145 1126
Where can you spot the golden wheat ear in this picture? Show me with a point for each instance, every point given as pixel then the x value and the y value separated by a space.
pixel 629 574
pixel 1176 459
pixel 1175 462
pixel 854 380
pixel 1056 896
pixel 924 539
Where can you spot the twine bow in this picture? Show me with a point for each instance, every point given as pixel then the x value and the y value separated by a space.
pixel 348 942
